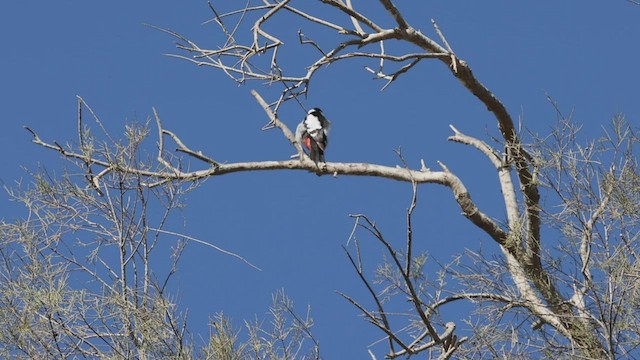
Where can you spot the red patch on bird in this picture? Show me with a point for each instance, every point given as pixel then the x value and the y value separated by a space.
pixel 307 143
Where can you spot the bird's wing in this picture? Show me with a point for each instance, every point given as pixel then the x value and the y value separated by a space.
pixel 326 125
pixel 300 130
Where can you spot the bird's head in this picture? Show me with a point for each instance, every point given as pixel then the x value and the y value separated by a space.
pixel 314 111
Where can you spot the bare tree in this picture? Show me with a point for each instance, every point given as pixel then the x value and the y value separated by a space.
pixel 571 295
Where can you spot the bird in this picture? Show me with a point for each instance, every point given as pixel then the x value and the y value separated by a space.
pixel 312 133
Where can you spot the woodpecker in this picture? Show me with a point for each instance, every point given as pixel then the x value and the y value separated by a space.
pixel 312 134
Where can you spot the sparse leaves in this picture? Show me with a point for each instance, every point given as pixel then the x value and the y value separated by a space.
pixel 283 335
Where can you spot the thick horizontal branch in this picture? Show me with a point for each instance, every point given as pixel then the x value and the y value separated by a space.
pixel 354 169
pixel 445 177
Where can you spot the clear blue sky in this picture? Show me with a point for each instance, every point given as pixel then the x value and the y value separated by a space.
pixel 584 54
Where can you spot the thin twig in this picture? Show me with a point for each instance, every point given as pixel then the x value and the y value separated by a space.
pixel 190 238
pixel 358 268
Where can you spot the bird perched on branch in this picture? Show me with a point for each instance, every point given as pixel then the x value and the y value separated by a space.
pixel 312 134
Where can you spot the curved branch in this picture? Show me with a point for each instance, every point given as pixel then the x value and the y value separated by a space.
pixel 522 160
pixel 504 174
pixel 445 178
pixel 273 119
pixel 393 10
pixel 376 299
pixel 411 292
pixel 473 296
pixel 374 320
pixel 353 14
pixel 258 31
pixel 447 334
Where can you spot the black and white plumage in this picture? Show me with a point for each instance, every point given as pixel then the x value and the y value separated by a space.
pixel 312 133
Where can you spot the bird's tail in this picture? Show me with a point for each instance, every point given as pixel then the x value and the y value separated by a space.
pixel 316 152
